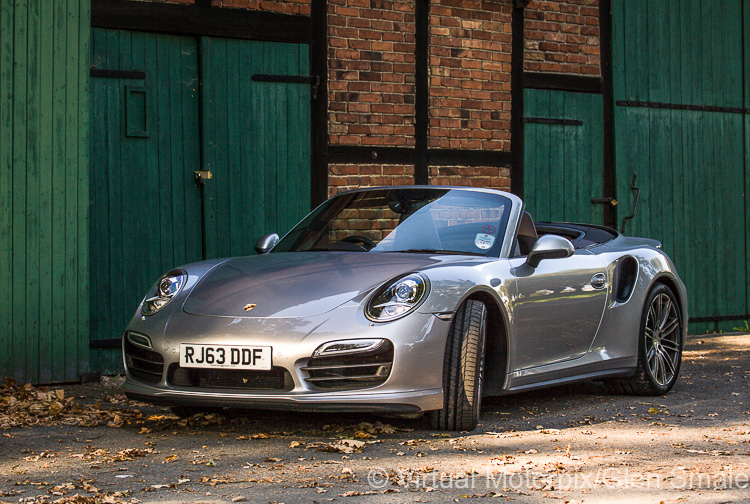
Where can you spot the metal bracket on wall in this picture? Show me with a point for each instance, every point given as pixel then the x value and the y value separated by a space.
pixel 550 120
pixel 603 201
pixel 635 205
pixel 294 79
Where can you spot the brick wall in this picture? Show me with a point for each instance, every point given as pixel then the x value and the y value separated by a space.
pixel 470 46
pixel 297 7
pixel 562 36
pixel 476 176
pixel 371 72
pixel 343 177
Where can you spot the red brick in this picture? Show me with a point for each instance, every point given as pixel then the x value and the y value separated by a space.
pixel 559 31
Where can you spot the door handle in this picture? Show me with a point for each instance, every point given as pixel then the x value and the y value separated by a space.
pixel 201 176
pixel 598 281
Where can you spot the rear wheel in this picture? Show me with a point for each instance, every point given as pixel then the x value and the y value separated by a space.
pixel 463 369
pixel 659 347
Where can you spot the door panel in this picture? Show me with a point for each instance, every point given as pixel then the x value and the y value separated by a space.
pixel 148 214
pixel 144 204
pixel 563 155
pixel 557 311
pixel 256 142
pixel 680 114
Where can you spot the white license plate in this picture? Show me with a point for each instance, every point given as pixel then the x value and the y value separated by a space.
pixel 225 356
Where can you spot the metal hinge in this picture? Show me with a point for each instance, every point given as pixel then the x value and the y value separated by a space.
pixel 298 79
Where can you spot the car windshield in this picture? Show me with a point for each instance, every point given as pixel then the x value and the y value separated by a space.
pixel 415 220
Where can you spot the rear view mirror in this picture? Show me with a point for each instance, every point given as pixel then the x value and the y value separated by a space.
pixel 266 242
pixel 549 247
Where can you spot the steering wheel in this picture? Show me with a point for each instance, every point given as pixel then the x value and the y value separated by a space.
pixel 366 243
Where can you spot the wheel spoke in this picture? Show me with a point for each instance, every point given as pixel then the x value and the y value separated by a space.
pixel 657 366
pixel 663 369
pixel 666 308
pixel 670 345
pixel 669 364
pixel 671 326
pixel 651 315
pixel 649 332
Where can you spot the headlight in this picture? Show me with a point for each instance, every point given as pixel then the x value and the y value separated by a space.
pixel 347 347
pixel 163 291
pixel 397 298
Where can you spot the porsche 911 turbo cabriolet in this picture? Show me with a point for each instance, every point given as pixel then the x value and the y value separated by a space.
pixel 409 301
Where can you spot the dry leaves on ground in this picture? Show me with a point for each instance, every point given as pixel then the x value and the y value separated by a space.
pixel 26 405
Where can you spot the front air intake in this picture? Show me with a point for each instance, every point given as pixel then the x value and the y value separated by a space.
pixel 352 370
pixel 143 364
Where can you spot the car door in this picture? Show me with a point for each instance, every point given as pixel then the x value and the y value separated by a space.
pixel 558 308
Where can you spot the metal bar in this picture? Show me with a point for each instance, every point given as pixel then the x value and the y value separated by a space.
pixel 468 157
pixel 105 343
pixel 343 366
pixel 421 91
pixel 516 99
pixel 720 318
pixel 562 82
pixel 117 74
pixel 682 106
pixel 298 79
pixel 342 378
pixel 319 109
pixel 547 120
pixel 199 19
pixel 607 84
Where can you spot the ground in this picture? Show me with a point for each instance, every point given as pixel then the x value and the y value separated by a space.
pixel 577 443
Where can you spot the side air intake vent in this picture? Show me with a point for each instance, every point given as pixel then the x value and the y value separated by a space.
pixel 626 274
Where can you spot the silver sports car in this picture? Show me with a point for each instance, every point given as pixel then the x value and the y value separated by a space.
pixel 410 300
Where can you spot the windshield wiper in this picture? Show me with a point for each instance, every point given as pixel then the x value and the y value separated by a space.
pixel 436 251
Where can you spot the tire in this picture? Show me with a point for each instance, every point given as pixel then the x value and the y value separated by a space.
pixel 463 369
pixel 659 347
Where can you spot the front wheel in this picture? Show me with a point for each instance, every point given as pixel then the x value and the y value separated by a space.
pixel 659 347
pixel 463 369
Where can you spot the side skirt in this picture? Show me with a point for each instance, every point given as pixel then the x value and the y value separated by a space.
pixel 618 368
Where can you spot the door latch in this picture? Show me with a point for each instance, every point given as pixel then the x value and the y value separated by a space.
pixel 201 176
pixel 602 201
pixel 598 281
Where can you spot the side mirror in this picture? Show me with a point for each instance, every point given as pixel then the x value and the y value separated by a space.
pixel 266 242
pixel 549 247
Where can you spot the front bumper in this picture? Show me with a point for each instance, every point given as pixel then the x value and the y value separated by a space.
pixel 362 401
pixel 414 383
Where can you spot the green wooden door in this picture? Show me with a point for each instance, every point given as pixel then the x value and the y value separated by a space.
pixel 256 142
pixel 680 113
pixel 145 206
pixel 563 155
pixel 44 169
pixel 196 107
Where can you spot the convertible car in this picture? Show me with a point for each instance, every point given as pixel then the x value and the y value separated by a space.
pixel 409 301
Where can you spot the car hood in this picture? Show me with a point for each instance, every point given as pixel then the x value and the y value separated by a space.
pixel 297 284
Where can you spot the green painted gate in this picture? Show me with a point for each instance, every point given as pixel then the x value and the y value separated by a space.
pixel 44 173
pixel 681 101
pixel 162 108
pixel 563 155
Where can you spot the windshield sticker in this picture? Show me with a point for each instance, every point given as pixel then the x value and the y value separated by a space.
pixel 484 241
pixel 489 229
